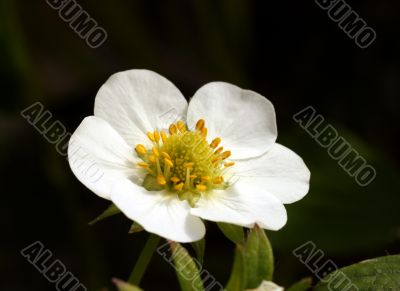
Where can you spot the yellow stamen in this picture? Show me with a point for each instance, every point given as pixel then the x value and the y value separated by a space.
pixel 192 176
pixel 230 164
pixel 166 155
pixel 219 150
pixel 163 136
pixel 215 142
pixel 205 178
pixel 201 188
pixel 175 179
pixel 204 132
pixel 140 149
pixel 143 165
pixel 156 136
pixel 200 124
pixel 226 155
pixel 150 136
pixel 178 187
pixel 156 152
pixel 181 126
pixel 218 180
pixel 188 165
pixel 172 129
pixel 161 180
pixel 152 159
pixel 168 162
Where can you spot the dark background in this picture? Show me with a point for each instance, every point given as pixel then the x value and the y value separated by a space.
pixel 289 51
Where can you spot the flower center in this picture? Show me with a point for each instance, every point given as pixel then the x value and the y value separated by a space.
pixel 183 161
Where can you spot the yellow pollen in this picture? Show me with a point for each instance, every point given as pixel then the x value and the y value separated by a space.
pixel 219 150
pixel 188 165
pixel 150 136
pixel 161 180
pixel 168 162
pixel 140 149
pixel 179 187
pixel 201 188
pixel 215 142
pixel 192 176
pixel 205 178
pixel 156 136
pixel 172 129
pixel 175 179
pixel 230 164
pixel 181 126
pixel 200 124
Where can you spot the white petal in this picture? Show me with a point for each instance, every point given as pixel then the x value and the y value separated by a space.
pixel 137 101
pixel 243 119
pixel 242 205
pixel 267 286
pixel 98 156
pixel 158 212
pixel 280 171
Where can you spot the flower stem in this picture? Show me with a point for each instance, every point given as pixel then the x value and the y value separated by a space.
pixel 144 259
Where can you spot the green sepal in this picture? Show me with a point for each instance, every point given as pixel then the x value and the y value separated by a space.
pixel 135 227
pixel 233 232
pixel 186 269
pixel 199 248
pixel 237 280
pixel 110 211
pixel 259 258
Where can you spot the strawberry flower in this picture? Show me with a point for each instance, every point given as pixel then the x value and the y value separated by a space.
pixel 217 159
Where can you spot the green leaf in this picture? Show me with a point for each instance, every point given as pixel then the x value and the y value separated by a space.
pixel 110 211
pixel 302 285
pixel 259 258
pixel 186 269
pixel 376 274
pixel 199 247
pixel 237 281
pixel 123 286
pixel 233 232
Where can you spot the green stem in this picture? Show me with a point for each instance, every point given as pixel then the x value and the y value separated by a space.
pixel 144 259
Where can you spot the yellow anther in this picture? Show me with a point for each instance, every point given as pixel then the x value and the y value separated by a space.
pixel 216 160
pixel 168 162
pixel 143 165
pixel 215 142
pixel 156 136
pixel 166 155
pixel 152 159
pixel 230 164
pixel 226 155
pixel 218 180
pixel 205 178
pixel 150 136
pixel 219 150
pixel 163 136
pixel 178 187
pixel 140 149
pixel 188 165
pixel 200 124
pixel 192 176
pixel 175 179
pixel 172 129
pixel 201 188
pixel 181 126
pixel 156 152
pixel 161 180
pixel 204 132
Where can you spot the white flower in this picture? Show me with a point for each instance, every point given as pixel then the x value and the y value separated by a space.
pixel 218 161
pixel 267 286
